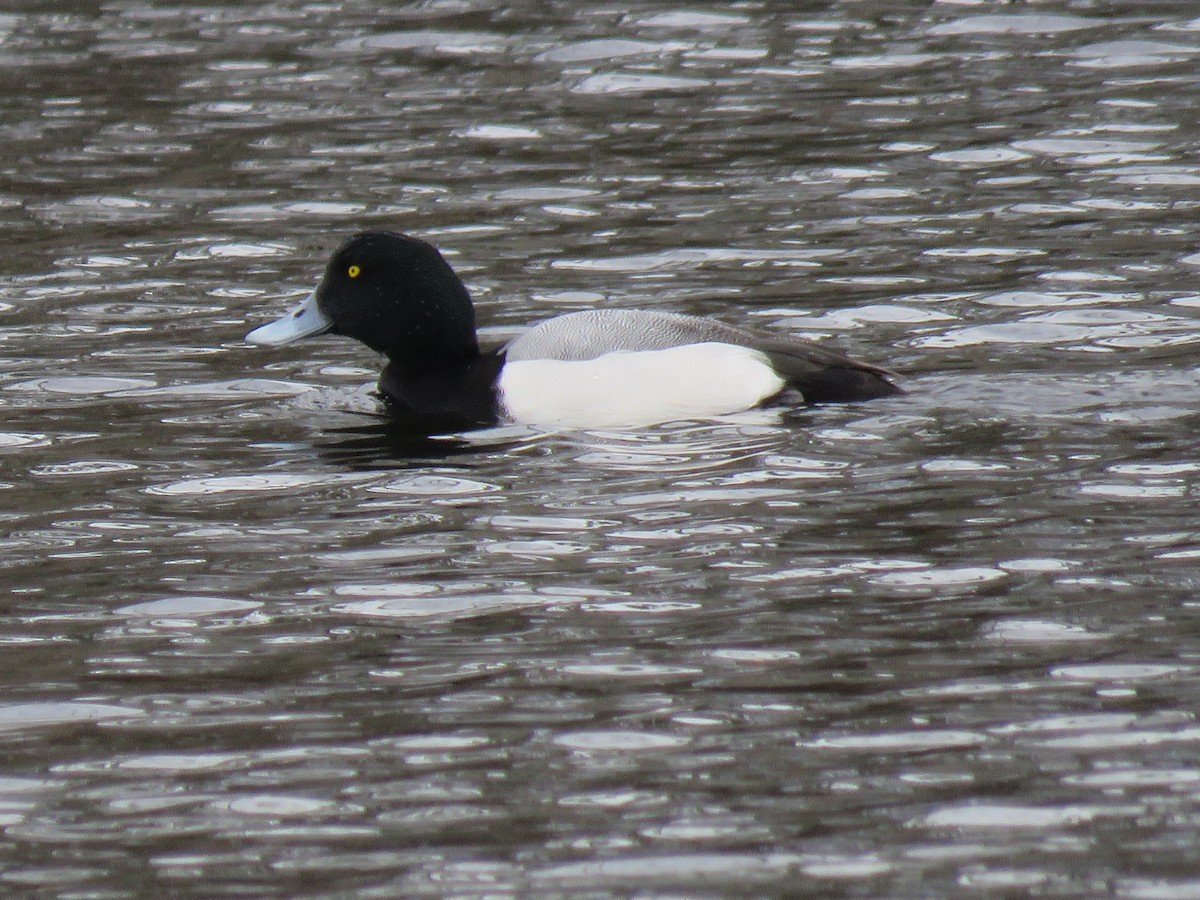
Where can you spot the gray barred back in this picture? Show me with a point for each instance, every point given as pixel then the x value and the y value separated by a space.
pixel 578 336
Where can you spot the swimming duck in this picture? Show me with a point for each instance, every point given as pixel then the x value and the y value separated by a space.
pixel 604 368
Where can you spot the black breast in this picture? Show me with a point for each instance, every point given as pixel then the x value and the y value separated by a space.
pixel 457 398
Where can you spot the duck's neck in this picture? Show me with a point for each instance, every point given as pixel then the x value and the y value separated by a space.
pixel 430 328
pixel 445 398
pixel 435 356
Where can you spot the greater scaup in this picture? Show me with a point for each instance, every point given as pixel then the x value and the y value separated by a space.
pixel 604 368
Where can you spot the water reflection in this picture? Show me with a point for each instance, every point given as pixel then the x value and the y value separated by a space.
pixel 383 441
pixel 941 644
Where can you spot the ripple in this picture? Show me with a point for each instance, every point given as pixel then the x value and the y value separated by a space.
pixel 1157 888
pixel 652 607
pixel 1023 332
pixel 278 806
pixel 220 390
pixel 1057 299
pixel 601 50
pixel 997 815
pixel 428 820
pixel 631 671
pixel 1164 176
pixel 499 133
pixel 185 762
pixel 843 868
pixel 1017 23
pixel 1155 469
pixel 755 656
pixel 1067 146
pixel 673 499
pixel 257 483
pixel 1034 631
pixel 449 43
pixel 428 742
pixel 703 831
pixel 982 252
pixel 690 19
pixel 145 311
pixel 799 573
pixel 937 466
pixel 84 467
pixel 234 250
pixel 433 486
pixel 81 385
pixel 1121 671
pixel 1086 722
pixel 101 208
pixel 544 523
pixel 701 869
pixel 621 83
pixel 545 192
pixel 808 467
pixel 10 787
pixel 899 742
pixel 879 194
pixel 40 715
pixel 13 439
pixel 52 879
pixel 1133 491
pixel 924 578
pixel 396 589
pixel 261 212
pixel 375 555
pixel 1102 317
pixel 619 741
pixel 1137 778
pixel 854 317
pixel 462 606
pixel 1110 741
pixel 1192 553
pixel 190 607
pixel 1132 54
pixel 535 549
pixel 981 156
pixel 1122 204
pixel 685 448
pixel 684 258
pixel 884 61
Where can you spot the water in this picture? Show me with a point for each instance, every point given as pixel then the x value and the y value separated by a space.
pixel 944 644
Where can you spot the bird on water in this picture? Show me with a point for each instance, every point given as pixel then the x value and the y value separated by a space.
pixel 601 368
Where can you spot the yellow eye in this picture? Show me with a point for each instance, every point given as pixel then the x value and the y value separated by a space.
pixel 354 271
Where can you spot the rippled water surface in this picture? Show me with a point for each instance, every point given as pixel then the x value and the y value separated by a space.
pixel 257 644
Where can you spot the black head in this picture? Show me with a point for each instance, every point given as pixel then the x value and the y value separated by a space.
pixel 398 295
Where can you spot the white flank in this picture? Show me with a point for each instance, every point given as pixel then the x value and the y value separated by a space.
pixel 630 389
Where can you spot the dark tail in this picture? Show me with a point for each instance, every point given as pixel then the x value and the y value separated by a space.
pixel 846 384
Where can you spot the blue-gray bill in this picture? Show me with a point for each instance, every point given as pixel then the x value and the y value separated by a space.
pixel 305 320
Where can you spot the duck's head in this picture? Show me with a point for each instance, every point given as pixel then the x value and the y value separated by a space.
pixel 394 293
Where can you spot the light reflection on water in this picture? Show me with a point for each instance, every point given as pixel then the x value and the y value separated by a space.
pixel 257 641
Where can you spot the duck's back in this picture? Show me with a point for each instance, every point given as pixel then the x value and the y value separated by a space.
pixel 592 333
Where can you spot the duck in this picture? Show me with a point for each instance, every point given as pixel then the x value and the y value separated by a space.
pixel 597 368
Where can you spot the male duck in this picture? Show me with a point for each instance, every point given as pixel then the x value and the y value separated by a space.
pixel 604 368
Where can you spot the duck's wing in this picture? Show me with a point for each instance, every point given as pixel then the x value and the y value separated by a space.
pixel 821 375
pixel 592 333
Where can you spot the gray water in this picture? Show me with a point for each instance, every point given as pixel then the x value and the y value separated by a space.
pixel 256 644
